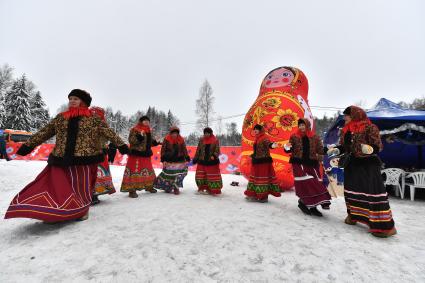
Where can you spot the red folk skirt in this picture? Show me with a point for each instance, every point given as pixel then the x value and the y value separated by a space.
pixel 309 186
pixel 138 175
pixel 57 194
pixel 208 178
pixel 262 182
pixel 104 184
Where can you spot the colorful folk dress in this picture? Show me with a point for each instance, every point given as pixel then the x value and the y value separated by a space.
pixel 139 174
pixel 208 176
pixel 262 180
pixel 364 191
pixel 306 153
pixel 63 190
pixel 104 184
pixel 174 157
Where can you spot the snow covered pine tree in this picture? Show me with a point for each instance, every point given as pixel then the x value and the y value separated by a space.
pixel 17 106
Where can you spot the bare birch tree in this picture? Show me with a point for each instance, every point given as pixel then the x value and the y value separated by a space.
pixel 204 106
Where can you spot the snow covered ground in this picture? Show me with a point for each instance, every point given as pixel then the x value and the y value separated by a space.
pixel 197 238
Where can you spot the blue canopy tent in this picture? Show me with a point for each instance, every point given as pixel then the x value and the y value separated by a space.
pixel 402 132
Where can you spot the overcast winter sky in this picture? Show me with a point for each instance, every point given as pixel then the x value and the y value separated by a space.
pixel 131 54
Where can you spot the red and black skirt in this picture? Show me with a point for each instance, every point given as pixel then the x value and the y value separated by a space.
pixel 366 197
pixel 309 186
pixel 57 194
pixel 262 182
pixel 138 175
pixel 208 178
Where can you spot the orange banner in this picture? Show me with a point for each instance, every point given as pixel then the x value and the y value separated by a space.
pixel 229 159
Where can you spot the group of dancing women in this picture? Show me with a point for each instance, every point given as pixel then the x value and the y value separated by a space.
pixel 78 170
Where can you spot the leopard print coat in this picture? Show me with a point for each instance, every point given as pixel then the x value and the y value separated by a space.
pixel 141 145
pixel 79 140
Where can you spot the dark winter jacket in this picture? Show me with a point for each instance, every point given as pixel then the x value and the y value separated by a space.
pixel 141 145
pixel 351 143
pixel 174 152
pixel 306 150
pixel 261 152
pixel 207 154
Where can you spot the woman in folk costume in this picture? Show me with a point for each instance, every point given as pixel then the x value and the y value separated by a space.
pixel 262 181
pixel 208 177
pixel 139 174
pixel 364 191
pixel 63 190
pixel 174 158
pixel 104 184
pixel 306 150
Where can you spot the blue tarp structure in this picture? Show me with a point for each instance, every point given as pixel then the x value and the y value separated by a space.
pixel 402 132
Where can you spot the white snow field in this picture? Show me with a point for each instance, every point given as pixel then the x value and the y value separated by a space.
pixel 198 238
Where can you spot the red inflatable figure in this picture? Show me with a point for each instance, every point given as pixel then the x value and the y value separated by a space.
pixel 283 99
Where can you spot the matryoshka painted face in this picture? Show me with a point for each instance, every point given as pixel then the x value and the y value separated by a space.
pixel 279 78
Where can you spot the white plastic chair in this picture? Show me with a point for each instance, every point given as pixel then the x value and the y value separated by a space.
pixel 418 182
pixel 393 176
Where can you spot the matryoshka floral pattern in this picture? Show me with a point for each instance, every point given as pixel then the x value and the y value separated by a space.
pixel 278 109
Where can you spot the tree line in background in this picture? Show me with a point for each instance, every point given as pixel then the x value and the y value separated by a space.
pixel 161 121
pixel 21 104
pixel 23 108
pixel 417 104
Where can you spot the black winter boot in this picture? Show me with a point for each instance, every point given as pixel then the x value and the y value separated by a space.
pixel 303 208
pixel 314 211
pixel 95 200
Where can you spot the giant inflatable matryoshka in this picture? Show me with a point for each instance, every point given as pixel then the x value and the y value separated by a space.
pixel 283 99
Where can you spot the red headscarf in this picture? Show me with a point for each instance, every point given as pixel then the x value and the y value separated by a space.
pixel 261 136
pixel 98 111
pixel 308 132
pixel 359 120
pixel 174 140
pixel 77 112
pixel 140 127
pixel 209 140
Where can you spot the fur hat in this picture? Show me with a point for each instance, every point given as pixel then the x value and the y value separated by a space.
pixel 81 94
pixel 208 130
pixel 174 130
pixel 144 118
pixel 301 121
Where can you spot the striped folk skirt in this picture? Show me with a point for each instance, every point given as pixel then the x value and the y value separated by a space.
pixel 309 186
pixel 262 182
pixel 208 178
pixel 171 177
pixel 138 175
pixel 57 194
pixel 366 197
pixel 104 184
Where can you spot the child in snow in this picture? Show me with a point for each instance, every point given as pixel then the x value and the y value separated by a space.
pixel 139 174
pixel 306 150
pixel 262 181
pixel 208 177
pixel 63 190
pixel 174 158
